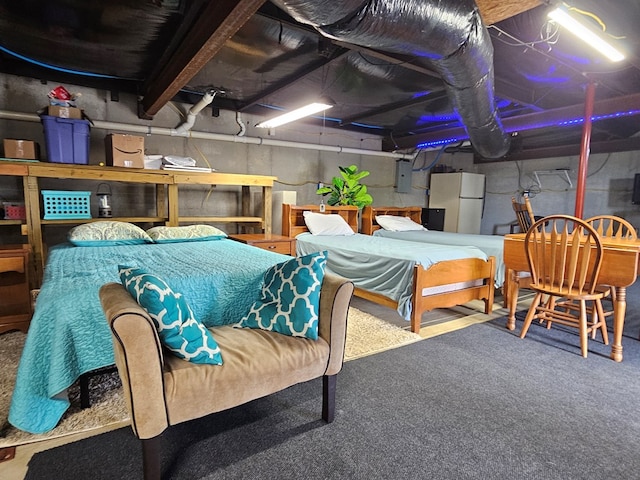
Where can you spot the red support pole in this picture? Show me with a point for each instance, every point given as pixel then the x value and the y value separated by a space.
pixel 583 164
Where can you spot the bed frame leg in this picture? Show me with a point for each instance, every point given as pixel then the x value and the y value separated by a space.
pixel 328 398
pixel 151 457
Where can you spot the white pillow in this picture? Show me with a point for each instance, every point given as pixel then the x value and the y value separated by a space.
pixel 326 224
pixel 397 224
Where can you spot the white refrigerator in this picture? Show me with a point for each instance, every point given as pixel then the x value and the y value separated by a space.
pixel 461 195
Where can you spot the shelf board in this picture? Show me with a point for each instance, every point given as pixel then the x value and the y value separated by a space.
pixel 12 222
pixel 77 221
pixel 221 219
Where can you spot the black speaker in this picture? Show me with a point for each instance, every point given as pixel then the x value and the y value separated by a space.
pixel 433 218
pixel 635 199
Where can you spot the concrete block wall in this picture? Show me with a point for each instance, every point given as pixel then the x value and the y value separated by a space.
pixel 608 189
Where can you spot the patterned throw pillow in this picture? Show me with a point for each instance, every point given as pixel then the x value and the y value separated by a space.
pixel 177 327
pixel 107 232
pixel 187 233
pixel 290 298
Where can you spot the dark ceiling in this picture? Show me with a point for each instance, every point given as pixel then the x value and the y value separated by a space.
pixel 265 62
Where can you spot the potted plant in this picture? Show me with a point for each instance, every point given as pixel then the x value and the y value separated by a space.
pixel 347 189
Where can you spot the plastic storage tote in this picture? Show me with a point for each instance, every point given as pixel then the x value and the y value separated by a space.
pixel 66 139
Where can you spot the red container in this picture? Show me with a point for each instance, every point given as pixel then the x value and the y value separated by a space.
pixel 14 211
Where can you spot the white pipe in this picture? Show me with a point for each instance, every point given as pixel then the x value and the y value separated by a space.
pixel 222 137
pixel 206 99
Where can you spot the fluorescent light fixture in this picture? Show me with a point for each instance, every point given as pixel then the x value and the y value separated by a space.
pixel 295 115
pixel 562 17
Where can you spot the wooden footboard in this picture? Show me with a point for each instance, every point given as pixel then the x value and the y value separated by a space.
pixel 474 278
pixel 451 282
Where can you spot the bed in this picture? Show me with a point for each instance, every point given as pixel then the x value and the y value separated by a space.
pixel 492 245
pixel 411 280
pixel 69 336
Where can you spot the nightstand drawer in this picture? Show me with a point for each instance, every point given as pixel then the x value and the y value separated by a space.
pixel 271 242
pixel 280 247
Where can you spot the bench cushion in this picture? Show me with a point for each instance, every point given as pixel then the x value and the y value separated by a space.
pixel 256 363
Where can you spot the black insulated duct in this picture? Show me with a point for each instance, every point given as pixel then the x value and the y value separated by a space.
pixel 449 37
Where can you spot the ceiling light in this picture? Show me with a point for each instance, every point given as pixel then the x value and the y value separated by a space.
pixel 295 115
pixel 561 16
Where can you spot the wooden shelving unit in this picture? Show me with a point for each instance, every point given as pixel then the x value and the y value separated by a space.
pixel 167 194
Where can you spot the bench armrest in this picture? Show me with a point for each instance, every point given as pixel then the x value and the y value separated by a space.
pixel 335 297
pixel 139 358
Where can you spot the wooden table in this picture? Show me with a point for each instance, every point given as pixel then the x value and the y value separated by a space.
pixel 619 270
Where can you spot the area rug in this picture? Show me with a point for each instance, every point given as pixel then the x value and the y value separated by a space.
pixel 366 335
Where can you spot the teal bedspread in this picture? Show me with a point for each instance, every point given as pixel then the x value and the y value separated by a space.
pixel 381 265
pixel 492 245
pixel 69 335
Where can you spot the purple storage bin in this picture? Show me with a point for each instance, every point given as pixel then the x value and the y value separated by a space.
pixel 67 139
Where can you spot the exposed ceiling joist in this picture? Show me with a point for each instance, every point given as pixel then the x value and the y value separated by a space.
pixel 217 23
pixel 294 77
pixel 393 106
pixel 627 103
pixel 610 146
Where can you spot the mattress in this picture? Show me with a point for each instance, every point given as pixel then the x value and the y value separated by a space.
pixel 492 245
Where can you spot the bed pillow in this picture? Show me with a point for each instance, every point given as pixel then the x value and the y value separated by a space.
pixel 187 233
pixel 178 329
pixel 290 298
pixel 397 224
pixel 107 232
pixel 326 224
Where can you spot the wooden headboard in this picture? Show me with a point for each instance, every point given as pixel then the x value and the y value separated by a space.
pixel 369 224
pixel 293 218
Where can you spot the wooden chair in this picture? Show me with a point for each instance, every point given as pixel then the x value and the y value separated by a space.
pixel 564 260
pixel 524 213
pixel 610 226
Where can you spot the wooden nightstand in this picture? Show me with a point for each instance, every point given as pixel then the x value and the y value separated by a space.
pixel 15 297
pixel 268 241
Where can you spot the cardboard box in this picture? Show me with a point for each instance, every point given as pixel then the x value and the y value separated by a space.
pixel 65 112
pixel 124 150
pixel 21 149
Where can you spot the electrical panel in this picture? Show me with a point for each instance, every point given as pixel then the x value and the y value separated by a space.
pixel 403 176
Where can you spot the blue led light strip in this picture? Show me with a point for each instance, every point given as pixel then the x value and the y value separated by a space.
pixel 53 67
pixel 559 123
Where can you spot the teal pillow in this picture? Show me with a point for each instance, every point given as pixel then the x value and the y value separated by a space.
pixel 290 298
pixel 177 327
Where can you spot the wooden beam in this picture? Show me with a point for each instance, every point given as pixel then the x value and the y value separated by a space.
pixel 494 11
pixel 610 146
pixel 217 23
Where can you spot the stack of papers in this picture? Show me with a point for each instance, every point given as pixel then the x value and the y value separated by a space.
pixel 186 168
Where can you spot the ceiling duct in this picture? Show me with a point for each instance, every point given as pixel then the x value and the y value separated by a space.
pixel 449 37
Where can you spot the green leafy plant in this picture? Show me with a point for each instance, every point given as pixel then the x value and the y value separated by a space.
pixel 347 189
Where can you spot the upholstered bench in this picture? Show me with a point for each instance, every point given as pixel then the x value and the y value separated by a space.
pixel 163 390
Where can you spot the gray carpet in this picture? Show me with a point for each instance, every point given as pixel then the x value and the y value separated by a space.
pixel 478 403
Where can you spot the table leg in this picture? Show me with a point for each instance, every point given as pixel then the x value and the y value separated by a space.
pixel 513 287
pixel 619 310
